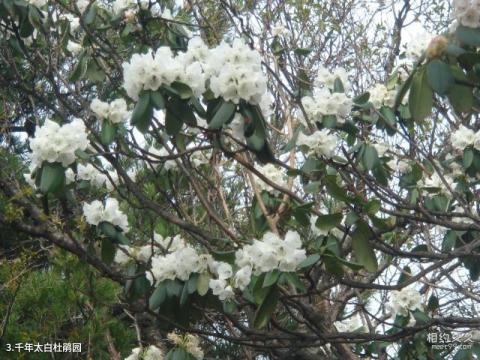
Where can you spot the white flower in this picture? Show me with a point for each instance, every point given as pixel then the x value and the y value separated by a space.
pixel 74 47
pixel 327 78
pixel 243 277
pixel 272 253
pixel 123 255
pixel 150 353
pixel 55 143
pixel 320 142
pixel 180 263
pixel 235 72
pixel 351 324
pixel 463 138
pixel 90 173
pixel 221 289
pixel 405 300
pixel 274 174
pixel 467 12
pixel 324 103
pixel 96 213
pixel 116 111
pixel 190 343
pixel 38 3
pixel 435 181
pixel 82 5
pixel 224 271
pixel 381 96
pixel 418 44
pixel 280 30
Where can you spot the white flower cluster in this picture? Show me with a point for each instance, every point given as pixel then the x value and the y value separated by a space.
pixel 182 260
pixel 55 143
pixel 272 252
pixel 351 324
pixel 405 300
pixel 236 73
pixel 74 47
pixel 190 343
pixel 417 45
pixel 115 111
pixel 90 173
pixel 37 3
pixel 150 353
pixel 467 12
pixel 381 96
pixel 152 70
pixel 274 174
pixel 465 137
pixel 233 71
pixel 435 181
pixel 324 103
pixel 326 78
pixel 95 213
pixel 320 142
pixel 399 165
pixel 179 263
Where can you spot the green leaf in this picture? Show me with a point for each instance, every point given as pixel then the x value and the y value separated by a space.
pixel 89 17
pixel 157 100
pixel 142 113
pixel 184 295
pixel 108 132
pixel 158 297
pixel 361 99
pixel 183 90
pixel 258 291
pixel 52 177
pixel 460 96
pixel 108 251
pixel 294 280
pixel 338 86
pixel 174 288
pixel 80 69
pixel 362 248
pixel 467 157
pixel 202 284
pixel 405 275
pixel 389 116
pixel 334 190
pixel 329 221
pixel 271 278
pixel 332 265
pixel 449 240
pixel 309 261
pixel 370 157
pixel 302 51
pixel 224 114
pixel 373 206
pixel 439 76
pixel 469 36
pixel 421 96
pixel 108 230
pixel 173 125
pixel 421 317
pixel 266 309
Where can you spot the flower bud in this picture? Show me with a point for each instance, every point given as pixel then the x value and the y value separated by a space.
pixel 437 47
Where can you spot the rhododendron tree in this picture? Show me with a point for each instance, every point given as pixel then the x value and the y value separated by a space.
pixel 262 180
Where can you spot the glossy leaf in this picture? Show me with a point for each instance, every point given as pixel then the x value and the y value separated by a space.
pixel 362 247
pixel 52 177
